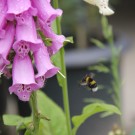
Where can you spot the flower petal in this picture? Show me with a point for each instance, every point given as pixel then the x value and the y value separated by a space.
pixel 5 45
pixel 26 35
pixel 3 9
pixel 102 5
pixel 23 78
pixel 44 66
pixel 45 10
pixel 19 6
pixel 57 40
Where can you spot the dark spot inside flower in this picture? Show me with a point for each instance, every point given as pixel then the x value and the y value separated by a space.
pixel 43 78
pixel 28 89
pixel 25 47
pixel 18 16
pixel 19 90
pixel 22 19
pixel 23 87
pixel 49 23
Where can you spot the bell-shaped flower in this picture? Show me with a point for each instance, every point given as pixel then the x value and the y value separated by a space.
pixel 103 6
pixel 44 66
pixel 3 9
pixel 26 35
pixel 45 10
pixel 6 44
pixel 17 7
pixel 23 78
pixel 57 40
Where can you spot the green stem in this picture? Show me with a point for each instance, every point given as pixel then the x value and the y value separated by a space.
pixel 115 70
pixel 33 102
pixel 65 93
pixel 64 85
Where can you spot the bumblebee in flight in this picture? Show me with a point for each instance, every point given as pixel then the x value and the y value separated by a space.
pixel 89 82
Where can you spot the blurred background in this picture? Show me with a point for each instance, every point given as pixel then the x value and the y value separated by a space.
pixel 83 22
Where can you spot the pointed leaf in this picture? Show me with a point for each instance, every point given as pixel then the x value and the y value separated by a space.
pixel 100 68
pixel 56 58
pixel 105 114
pixel 107 29
pixel 16 120
pixel 69 40
pixel 98 43
pixel 57 123
pixel 90 110
pixel 93 100
pixel 12 120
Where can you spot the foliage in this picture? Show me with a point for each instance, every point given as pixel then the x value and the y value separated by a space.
pixel 90 110
pixel 46 127
pixel 100 68
pixel 115 53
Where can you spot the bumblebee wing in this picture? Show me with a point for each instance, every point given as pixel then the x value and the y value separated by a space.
pixel 83 83
pixel 92 75
pixel 94 89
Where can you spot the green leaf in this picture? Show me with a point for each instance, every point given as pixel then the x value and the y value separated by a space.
pixel 12 120
pixel 93 100
pixel 90 110
pixel 107 29
pixel 105 114
pixel 100 68
pixel 69 40
pixel 44 128
pixel 54 26
pixel 26 123
pixel 98 43
pixel 28 132
pixel 104 23
pixel 48 108
pixel 16 120
pixel 56 59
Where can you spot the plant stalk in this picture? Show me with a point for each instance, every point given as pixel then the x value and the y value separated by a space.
pixel 36 120
pixel 64 85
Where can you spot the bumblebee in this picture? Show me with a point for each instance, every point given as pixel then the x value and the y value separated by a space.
pixel 89 82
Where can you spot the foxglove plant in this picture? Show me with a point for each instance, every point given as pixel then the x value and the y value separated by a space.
pixel 19 21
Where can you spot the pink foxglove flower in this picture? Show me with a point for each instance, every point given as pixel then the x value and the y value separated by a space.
pixel 26 35
pixel 45 10
pixel 3 9
pixel 23 78
pixel 44 66
pixel 19 41
pixel 57 40
pixel 5 45
pixel 17 7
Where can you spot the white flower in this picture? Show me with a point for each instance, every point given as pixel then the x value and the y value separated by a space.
pixel 102 5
